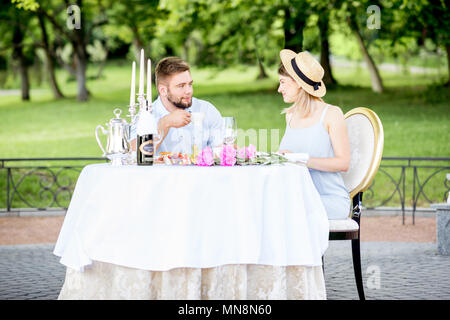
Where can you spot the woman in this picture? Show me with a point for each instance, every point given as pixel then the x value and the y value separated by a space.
pixel 316 128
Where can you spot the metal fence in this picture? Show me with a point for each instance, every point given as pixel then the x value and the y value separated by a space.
pixel 43 183
pixel 414 180
pixel 39 183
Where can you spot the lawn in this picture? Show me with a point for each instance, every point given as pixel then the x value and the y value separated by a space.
pixel 415 116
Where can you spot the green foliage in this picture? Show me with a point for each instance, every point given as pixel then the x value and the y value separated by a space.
pixel 225 33
pixel 31 5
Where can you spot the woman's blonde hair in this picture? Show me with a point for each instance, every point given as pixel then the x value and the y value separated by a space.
pixel 303 105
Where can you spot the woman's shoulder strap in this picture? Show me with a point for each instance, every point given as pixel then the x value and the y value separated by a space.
pixel 323 113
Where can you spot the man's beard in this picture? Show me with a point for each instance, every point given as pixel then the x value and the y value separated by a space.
pixel 179 103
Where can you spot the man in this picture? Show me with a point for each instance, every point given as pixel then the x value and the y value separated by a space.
pixel 174 105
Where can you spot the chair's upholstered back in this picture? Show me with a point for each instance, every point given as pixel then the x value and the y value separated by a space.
pixel 366 148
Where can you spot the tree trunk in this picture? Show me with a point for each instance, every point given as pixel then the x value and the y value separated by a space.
pixel 262 73
pixel 447 47
pixel 186 50
pixel 24 80
pixel 169 50
pixel 293 31
pixel 70 68
pixel 328 78
pixel 377 84
pixel 81 59
pixel 23 69
pixel 36 70
pixel 81 66
pixel 103 63
pixel 101 68
pixel 138 44
pixel 198 51
pixel 49 61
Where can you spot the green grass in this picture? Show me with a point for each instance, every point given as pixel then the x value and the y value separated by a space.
pixel 415 118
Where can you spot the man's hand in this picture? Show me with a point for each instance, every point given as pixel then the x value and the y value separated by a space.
pixel 178 119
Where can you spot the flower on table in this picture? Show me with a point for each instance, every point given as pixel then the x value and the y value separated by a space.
pixel 251 152
pixel 241 153
pixel 228 156
pixel 247 153
pixel 205 157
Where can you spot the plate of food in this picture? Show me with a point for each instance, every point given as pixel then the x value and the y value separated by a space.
pixel 170 158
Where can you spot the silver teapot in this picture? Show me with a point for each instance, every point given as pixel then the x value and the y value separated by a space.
pixel 117 145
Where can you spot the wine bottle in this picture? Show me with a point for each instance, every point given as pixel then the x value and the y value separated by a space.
pixel 145 139
pixel 145 149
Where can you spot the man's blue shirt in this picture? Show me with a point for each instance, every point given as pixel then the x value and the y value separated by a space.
pixel 181 139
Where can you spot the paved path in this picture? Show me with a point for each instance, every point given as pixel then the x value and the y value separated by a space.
pixel 391 270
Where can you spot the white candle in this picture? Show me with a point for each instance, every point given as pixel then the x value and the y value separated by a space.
pixel 149 81
pixel 141 74
pixel 133 84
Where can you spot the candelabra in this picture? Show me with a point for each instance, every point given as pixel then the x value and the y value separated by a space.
pixel 132 114
pixel 132 109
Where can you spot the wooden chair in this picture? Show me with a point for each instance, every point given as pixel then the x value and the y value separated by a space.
pixel 366 146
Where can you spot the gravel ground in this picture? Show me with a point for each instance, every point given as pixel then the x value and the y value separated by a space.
pixel 35 230
pixel 391 271
pixel 399 262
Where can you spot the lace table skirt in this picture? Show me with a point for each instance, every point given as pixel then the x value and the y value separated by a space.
pixel 228 282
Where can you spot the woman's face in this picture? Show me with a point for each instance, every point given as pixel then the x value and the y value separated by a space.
pixel 288 88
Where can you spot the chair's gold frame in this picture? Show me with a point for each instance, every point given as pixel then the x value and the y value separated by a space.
pixel 378 152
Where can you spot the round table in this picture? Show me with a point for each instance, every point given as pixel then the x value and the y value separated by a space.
pixel 196 222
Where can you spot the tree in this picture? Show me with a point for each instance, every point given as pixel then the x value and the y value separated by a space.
pixel 222 33
pixel 323 10
pixel 14 26
pixel 50 56
pixel 295 16
pixel 355 15
pixel 17 42
pixel 79 36
pixel 428 19
pixel 138 16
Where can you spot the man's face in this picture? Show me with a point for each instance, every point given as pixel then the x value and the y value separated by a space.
pixel 179 90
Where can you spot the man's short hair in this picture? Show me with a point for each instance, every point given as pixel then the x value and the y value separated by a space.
pixel 169 66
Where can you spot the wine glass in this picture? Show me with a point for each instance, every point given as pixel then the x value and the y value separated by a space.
pixel 229 130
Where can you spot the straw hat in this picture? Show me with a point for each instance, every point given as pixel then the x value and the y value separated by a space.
pixel 304 69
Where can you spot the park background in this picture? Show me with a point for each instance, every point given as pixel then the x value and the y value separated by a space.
pixel 65 66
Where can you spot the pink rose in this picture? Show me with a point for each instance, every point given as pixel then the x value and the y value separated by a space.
pixel 242 153
pixel 205 157
pixel 247 152
pixel 227 156
pixel 251 151
pixel 208 156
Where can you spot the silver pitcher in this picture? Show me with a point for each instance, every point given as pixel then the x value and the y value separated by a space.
pixel 117 145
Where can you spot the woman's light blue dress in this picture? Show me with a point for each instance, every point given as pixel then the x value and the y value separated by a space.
pixel 315 141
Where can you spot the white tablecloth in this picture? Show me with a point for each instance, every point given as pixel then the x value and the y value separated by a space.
pixel 164 217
